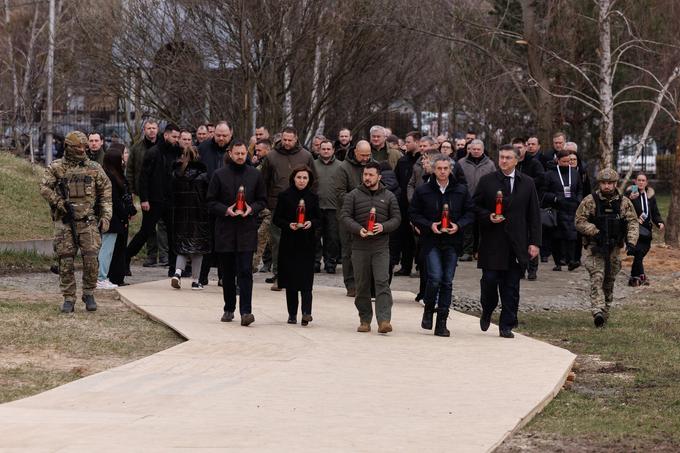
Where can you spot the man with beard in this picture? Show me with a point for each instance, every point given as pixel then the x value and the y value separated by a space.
pixel 276 169
pixel 347 178
pixel 403 171
pixel 79 194
pixel 607 221
pixel 343 145
pixel 155 192
pixel 370 249
pixel 212 153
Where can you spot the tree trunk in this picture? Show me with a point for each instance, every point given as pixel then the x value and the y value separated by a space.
pixel 605 92
pixel 672 235
pixel 545 107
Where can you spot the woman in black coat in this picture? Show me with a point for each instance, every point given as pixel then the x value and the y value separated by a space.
pixel 112 265
pixel 190 218
pixel 297 247
pixel 644 202
pixel 563 192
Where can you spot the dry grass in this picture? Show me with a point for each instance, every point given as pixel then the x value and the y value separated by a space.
pixel 42 348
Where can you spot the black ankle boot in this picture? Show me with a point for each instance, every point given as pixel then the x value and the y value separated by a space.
pixel 428 313
pixel 440 329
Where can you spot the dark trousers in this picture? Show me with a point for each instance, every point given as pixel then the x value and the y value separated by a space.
pixel 532 267
pixel 292 302
pixel 578 248
pixel 505 283
pixel 118 263
pixel 546 246
pixel 641 250
pixel 237 267
pixel 441 267
pixel 563 250
pixel 405 244
pixel 471 239
pixel 328 239
pixel 149 220
pixel 209 261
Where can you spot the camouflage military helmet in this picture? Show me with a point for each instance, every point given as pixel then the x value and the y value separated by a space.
pixel 607 175
pixel 75 138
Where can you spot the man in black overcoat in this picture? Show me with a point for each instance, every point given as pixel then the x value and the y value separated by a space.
pixel 507 241
pixel 236 230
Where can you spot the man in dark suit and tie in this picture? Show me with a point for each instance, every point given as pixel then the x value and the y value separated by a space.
pixel 508 240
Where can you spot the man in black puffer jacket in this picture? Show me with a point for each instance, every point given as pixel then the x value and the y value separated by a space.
pixel 370 249
pixel 442 196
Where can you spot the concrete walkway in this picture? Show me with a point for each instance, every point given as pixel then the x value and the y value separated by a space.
pixel 280 387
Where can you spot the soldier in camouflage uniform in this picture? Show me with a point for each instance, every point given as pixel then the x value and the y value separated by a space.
pixel 78 184
pixel 262 236
pixel 607 221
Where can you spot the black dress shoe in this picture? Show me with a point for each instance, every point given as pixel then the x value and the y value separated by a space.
pixel 506 334
pixel 485 321
pixel 402 273
pixel 531 276
pixel 330 269
pixel 317 268
pixel 271 279
pixel 292 320
pixel 544 259
pixel 573 265
pixel 557 268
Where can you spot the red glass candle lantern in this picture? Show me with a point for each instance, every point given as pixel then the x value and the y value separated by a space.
pixel 371 221
pixel 301 213
pixel 499 203
pixel 241 200
pixel 445 217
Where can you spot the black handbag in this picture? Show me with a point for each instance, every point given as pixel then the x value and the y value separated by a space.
pixel 644 232
pixel 548 217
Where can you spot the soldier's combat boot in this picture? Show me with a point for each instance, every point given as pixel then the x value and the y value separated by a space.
pixel 68 306
pixel 440 329
pixel 599 320
pixel 428 313
pixel 384 327
pixel 90 304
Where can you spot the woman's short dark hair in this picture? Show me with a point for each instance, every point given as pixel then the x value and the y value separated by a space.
pixel 297 169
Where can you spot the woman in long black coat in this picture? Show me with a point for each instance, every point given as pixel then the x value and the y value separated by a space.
pixel 298 246
pixel 563 192
pixel 644 202
pixel 190 217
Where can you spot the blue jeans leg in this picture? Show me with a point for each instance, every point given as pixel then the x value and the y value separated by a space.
pixel 449 261
pixel 435 272
pixel 105 254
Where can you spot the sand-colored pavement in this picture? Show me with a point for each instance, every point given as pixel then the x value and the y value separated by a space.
pixel 279 387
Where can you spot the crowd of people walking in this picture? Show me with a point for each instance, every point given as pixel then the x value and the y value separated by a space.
pixel 208 200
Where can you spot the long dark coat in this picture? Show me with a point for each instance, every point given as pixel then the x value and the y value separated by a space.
pixel 190 216
pixel 553 196
pixel 119 215
pixel 236 234
pixel 501 242
pixel 297 248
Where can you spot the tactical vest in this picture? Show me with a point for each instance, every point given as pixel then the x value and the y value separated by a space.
pixel 607 218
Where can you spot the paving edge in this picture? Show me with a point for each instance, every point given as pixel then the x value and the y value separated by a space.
pixel 523 422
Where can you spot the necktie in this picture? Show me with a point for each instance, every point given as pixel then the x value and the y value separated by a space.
pixel 508 190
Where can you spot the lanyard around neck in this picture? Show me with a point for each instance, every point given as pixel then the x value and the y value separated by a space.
pixel 645 203
pixel 559 173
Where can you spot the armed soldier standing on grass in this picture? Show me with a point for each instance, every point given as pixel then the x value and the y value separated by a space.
pixel 607 221
pixel 79 194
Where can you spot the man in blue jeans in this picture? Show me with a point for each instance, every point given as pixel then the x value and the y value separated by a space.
pixel 440 209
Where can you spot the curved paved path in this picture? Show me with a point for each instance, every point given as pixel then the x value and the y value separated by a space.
pixel 277 387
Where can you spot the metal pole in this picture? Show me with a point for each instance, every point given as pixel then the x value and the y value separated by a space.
pixel 50 79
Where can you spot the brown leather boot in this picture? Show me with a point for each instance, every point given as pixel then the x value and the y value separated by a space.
pixel 384 327
pixel 364 327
